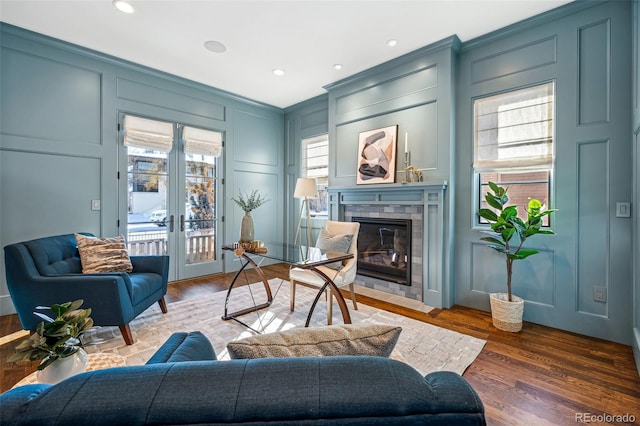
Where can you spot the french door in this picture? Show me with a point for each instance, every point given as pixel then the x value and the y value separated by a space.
pixel 172 192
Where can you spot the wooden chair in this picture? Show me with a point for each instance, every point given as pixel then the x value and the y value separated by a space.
pixel 345 276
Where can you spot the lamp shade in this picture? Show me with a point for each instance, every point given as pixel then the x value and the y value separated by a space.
pixel 306 187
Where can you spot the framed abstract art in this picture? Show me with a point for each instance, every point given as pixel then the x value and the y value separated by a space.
pixel 377 156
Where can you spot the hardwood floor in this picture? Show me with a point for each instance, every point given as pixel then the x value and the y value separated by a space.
pixel 536 377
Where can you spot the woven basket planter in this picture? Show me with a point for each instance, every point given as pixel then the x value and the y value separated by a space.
pixel 507 316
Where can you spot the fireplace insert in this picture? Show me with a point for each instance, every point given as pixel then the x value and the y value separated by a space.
pixel 384 249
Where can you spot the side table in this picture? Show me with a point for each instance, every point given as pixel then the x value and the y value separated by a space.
pixel 97 361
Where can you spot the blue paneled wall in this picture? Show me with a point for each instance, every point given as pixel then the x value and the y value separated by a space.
pixel 58 149
pixel 59 144
pixel 636 178
pixel 584 49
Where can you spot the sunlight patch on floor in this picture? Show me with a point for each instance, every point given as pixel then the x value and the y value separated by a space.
pixel 13 337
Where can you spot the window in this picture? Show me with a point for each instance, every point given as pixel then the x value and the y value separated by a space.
pixel 147 142
pixel 315 164
pixel 513 143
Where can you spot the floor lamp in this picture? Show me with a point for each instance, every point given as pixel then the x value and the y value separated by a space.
pixel 305 188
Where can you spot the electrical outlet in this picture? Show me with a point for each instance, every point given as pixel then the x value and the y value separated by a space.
pixel 599 294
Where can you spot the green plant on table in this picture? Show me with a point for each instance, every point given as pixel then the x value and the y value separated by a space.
pixel 57 337
pixel 505 224
pixel 248 202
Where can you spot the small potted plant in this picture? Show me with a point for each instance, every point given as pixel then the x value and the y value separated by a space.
pixel 248 203
pixel 56 342
pixel 507 309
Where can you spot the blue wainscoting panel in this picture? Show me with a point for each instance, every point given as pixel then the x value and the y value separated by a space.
pixel 266 218
pixel 593 233
pixel 421 127
pixel 52 191
pixel 533 279
pixel 389 95
pixel 518 59
pixel 68 103
pixel 594 70
pixel 152 95
pixel 256 139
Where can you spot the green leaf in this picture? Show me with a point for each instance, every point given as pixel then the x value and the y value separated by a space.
pixel 508 233
pixel 492 240
pixel 509 212
pixel 488 214
pixel 499 249
pixel 493 201
pixel 523 253
pixel 547 212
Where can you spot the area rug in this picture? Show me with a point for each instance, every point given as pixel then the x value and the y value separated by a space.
pixel 425 347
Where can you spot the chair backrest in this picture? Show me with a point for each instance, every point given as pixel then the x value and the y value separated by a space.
pixel 55 255
pixel 348 228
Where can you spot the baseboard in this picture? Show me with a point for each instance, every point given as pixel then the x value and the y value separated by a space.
pixel 6 305
pixel 636 348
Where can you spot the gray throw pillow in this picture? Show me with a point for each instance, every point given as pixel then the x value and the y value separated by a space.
pixel 333 340
pixel 340 242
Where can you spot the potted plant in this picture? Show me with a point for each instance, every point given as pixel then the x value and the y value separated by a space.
pixel 507 236
pixel 56 342
pixel 248 203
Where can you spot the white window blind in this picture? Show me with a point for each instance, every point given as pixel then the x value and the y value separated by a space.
pixel 148 134
pixel 203 142
pixel 315 164
pixel 514 131
pixel 316 156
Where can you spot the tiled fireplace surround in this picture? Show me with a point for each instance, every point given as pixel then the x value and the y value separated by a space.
pixel 422 203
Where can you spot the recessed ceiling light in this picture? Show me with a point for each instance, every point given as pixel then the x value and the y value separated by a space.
pixel 392 42
pixel 215 46
pixel 278 72
pixel 337 66
pixel 123 6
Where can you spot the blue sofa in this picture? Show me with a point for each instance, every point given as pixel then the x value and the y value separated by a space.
pixel 46 271
pixel 183 384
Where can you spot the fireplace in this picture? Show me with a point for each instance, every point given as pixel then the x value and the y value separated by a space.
pixel 384 249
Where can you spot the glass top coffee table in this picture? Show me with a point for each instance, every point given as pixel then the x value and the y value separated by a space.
pixel 302 257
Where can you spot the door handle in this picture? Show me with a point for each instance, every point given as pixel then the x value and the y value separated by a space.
pixel 181 223
pixel 171 223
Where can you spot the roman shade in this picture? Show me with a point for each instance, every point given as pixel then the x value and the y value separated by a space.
pixel 203 142
pixel 148 134
pixel 514 130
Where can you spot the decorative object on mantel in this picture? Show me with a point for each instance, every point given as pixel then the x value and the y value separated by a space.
pixel 507 309
pixel 377 156
pixel 411 174
pixel 248 203
pixel 57 342
pixel 305 188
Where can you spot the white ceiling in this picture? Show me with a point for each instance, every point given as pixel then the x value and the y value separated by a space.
pixel 302 37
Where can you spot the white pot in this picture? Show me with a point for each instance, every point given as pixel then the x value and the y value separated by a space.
pixel 507 316
pixel 63 368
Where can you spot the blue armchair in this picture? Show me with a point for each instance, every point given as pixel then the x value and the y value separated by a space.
pixel 47 270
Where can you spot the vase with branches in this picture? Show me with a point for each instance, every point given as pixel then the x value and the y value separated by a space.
pixel 248 203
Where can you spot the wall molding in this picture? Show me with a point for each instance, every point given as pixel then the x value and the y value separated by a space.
pixel 8 29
